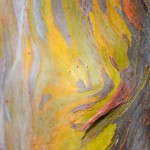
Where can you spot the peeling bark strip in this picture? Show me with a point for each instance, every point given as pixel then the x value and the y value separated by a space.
pixel 92 56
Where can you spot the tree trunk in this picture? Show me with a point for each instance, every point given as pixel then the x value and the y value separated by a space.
pixel 74 74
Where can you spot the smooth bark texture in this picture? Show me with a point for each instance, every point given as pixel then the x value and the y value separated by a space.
pixel 74 74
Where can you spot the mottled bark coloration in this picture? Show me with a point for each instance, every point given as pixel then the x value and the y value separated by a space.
pixel 74 74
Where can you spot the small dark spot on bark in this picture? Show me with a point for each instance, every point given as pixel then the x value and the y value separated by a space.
pixel 29 53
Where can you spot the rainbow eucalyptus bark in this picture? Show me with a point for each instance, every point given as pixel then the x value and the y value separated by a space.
pixel 133 125
pixel 74 74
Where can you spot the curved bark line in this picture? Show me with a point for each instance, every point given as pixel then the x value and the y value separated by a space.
pixel 128 80
pixel 40 25
pixel 74 70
